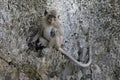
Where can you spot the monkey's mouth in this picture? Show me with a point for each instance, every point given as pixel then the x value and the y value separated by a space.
pixel 50 22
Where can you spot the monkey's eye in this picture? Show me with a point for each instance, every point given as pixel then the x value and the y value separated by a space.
pixel 49 19
pixel 54 18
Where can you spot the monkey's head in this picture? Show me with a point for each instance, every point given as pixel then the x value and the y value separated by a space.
pixel 51 16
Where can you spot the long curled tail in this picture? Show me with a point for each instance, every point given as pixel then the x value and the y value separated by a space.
pixel 77 62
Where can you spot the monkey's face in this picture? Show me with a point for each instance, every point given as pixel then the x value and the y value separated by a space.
pixel 51 19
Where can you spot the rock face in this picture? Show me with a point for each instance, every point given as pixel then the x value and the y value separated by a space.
pixel 85 21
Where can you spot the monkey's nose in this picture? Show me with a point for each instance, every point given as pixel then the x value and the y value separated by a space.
pixel 52 22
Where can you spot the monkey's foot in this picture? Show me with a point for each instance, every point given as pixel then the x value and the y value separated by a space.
pixel 46 51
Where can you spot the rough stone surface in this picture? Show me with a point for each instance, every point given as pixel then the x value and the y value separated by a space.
pixel 20 20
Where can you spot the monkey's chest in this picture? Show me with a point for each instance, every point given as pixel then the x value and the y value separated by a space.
pixel 47 33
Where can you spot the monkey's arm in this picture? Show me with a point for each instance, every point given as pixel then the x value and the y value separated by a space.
pixel 77 62
pixel 61 30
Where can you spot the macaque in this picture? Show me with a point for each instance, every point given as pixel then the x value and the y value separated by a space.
pixel 53 33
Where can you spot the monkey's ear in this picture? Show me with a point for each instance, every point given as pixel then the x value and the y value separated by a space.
pixel 45 13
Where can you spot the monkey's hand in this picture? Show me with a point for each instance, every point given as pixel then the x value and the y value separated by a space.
pixel 46 51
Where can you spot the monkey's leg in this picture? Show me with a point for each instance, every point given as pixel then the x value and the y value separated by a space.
pixel 51 43
pixel 58 42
